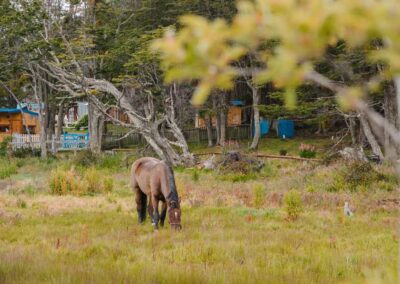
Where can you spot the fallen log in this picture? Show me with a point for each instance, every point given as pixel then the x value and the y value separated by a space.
pixel 267 156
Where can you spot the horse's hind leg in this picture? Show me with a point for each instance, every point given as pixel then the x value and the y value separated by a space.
pixel 156 214
pixel 163 213
pixel 150 210
pixel 141 203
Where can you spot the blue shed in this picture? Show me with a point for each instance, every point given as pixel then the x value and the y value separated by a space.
pixel 264 127
pixel 285 128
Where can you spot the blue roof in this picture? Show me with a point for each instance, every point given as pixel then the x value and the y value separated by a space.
pixel 18 110
pixel 237 103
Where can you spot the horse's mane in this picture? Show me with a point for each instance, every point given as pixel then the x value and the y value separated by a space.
pixel 173 195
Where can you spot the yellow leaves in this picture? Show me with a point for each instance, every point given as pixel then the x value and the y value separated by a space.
pixel 201 93
pixel 302 29
pixel 201 50
pixel 349 98
pixel 93 92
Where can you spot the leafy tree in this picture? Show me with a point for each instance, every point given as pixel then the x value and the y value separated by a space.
pixel 303 31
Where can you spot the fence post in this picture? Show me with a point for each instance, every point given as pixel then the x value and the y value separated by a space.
pixel 198 135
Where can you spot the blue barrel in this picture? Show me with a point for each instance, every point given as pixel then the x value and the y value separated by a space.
pixel 285 128
pixel 264 127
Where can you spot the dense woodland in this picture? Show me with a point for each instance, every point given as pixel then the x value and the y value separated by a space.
pixel 58 52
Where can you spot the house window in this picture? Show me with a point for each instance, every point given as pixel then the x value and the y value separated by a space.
pixel 31 130
pixel 4 128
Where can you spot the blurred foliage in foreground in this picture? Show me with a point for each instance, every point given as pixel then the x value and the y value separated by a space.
pixel 288 37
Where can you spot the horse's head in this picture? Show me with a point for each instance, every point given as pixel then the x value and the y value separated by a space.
pixel 174 215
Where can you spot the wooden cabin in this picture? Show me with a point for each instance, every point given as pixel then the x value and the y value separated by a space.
pixel 117 114
pixel 12 121
pixel 234 116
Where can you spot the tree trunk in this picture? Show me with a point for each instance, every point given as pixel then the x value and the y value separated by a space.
pixel 256 118
pixel 352 128
pixel 50 121
pixel 208 120
pixel 376 149
pixel 392 117
pixel 60 120
pixel 96 126
pixel 42 118
pixel 217 118
pixel 222 139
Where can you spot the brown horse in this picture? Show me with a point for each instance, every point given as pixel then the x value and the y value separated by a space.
pixel 154 180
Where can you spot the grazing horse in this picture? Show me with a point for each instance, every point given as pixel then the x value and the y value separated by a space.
pixel 154 180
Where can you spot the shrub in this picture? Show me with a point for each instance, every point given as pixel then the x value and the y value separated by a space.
pixel 195 175
pixel 70 182
pixel 7 169
pixel 83 122
pixel 386 186
pixel 4 146
pixel 307 151
pixel 109 162
pixel 361 175
pixel 85 158
pixel 93 181
pixel 293 204
pixel 258 195
pixel 238 177
pixel 26 152
pixel 282 152
pixel 21 203
pixel 66 182
pixel 108 185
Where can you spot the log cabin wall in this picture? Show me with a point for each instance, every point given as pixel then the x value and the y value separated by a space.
pixel 13 123
pixel 234 118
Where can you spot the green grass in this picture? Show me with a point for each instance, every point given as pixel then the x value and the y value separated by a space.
pixel 273 146
pixel 216 245
pixel 235 230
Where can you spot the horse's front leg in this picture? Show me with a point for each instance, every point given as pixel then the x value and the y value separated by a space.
pixel 156 214
pixel 163 213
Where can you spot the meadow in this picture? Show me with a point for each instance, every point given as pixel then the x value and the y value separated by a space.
pixel 284 224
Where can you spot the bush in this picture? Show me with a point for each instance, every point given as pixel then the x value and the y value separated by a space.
pixel 26 152
pixel 282 152
pixel 83 122
pixel 307 151
pixel 70 182
pixel 361 176
pixel 108 185
pixel 93 181
pixel 7 169
pixel 109 162
pixel 195 175
pixel 21 203
pixel 66 182
pixel 293 204
pixel 85 158
pixel 238 177
pixel 4 146
pixel 258 195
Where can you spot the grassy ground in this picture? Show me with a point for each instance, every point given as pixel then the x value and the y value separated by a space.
pixel 232 233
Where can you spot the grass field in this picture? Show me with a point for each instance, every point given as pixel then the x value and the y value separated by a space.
pixel 233 232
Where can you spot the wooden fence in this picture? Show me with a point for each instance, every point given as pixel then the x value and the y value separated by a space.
pixel 25 141
pixel 195 135
pixel 66 142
